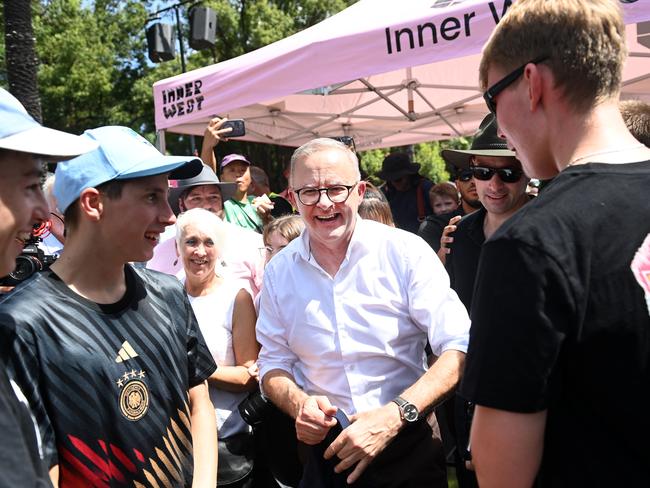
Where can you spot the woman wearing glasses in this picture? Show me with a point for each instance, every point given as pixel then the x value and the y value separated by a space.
pixel 226 316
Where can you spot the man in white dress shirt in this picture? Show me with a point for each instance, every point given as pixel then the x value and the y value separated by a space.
pixel 345 314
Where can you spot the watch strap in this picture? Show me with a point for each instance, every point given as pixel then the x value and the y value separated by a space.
pixel 401 403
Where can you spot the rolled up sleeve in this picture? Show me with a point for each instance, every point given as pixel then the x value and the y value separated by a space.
pixel 433 305
pixel 272 332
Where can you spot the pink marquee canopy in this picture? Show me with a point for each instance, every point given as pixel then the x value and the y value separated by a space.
pixel 387 73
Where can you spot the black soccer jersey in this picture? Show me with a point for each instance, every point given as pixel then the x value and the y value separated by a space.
pixel 109 384
pixel 20 464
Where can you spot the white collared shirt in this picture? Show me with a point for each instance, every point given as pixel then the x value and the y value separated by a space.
pixel 359 337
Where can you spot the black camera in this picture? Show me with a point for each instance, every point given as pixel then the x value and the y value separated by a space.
pixel 255 408
pixel 31 260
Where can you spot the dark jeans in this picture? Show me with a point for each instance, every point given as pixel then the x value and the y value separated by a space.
pixel 414 459
pixel 247 482
pixel 277 451
pixel 463 413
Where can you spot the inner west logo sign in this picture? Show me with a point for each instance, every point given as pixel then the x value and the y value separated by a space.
pixel 183 99
pixel 441 29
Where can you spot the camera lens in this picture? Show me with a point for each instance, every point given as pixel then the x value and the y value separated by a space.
pixel 25 267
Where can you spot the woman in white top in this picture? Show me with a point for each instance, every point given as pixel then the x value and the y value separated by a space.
pixel 226 316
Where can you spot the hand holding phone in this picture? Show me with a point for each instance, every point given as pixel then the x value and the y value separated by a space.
pixel 237 125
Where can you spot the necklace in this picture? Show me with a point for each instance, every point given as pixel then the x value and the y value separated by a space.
pixel 609 151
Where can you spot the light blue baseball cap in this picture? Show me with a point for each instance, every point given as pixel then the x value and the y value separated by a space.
pixel 122 155
pixel 20 132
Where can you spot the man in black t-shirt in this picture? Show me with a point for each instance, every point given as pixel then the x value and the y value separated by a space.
pixel 559 346
pixel 24 144
pixel 110 357
pixel 501 187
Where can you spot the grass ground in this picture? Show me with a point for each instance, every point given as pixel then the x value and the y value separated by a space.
pixel 451 478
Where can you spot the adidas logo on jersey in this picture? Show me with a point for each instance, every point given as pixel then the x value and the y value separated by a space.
pixel 125 352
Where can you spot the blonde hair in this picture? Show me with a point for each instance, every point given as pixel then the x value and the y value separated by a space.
pixel 48 191
pixel 636 115
pixel 584 42
pixel 445 189
pixel 207 222
pixel 288 226
pixel 374 206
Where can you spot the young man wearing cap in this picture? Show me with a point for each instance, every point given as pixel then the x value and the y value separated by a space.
pixel 110 357
pixel 407 192
pixel 247 211
pixel 24 144
pixel 559 346
pixel 242 253
pixel 243 209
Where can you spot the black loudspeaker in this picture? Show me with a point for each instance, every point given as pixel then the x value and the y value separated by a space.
pixel 643 33
pixel 161 42
pixel 203 28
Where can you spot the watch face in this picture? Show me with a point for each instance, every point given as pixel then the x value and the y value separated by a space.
pixel 410 413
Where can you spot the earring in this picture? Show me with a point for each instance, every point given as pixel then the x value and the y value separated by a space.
pixel 175 262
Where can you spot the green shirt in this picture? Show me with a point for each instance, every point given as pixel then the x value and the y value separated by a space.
pixel 243 214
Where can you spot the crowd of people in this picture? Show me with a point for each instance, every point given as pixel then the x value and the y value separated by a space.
pixel 198 329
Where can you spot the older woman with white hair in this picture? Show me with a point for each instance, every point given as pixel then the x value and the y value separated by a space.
pixel 226 316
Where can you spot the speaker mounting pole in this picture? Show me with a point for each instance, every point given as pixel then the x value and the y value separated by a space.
pixel 179 33
pixel 176 7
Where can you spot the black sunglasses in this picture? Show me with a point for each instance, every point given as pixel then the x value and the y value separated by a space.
pixel 507 175
pixel 348 141
pixel 491 93
pixel 465 175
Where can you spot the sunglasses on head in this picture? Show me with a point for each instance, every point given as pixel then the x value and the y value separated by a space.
pixel 507 175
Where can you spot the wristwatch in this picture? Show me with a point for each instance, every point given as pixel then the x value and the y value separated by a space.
pixel 407 411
